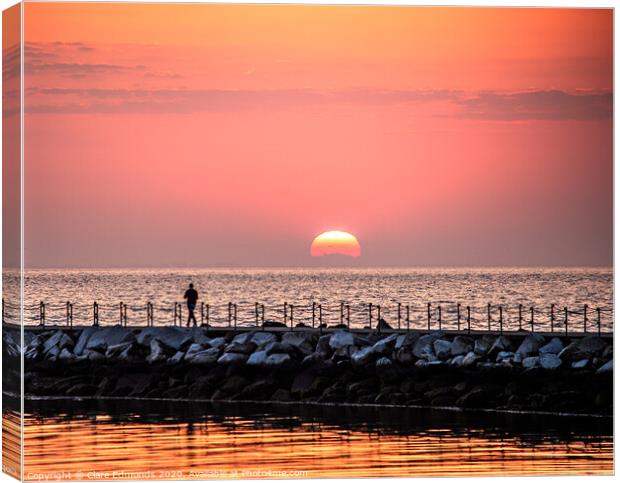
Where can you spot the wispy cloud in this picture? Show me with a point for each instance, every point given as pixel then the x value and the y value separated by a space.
pixel 496 106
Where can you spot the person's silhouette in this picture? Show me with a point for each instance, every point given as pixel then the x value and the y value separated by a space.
pixel 192 296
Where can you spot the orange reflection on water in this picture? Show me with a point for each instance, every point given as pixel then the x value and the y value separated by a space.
pixel 238 448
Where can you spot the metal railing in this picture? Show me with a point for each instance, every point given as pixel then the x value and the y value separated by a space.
pixel 315 315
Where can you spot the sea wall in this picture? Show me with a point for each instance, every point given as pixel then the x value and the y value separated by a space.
pixel 511 371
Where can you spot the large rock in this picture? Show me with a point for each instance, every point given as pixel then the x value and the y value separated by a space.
pixel 442 349
pixel 84 337
pixel 217 343
pixel 278 360
pixel 385 346
pixel 470 359
pixel 206 356
pixel 483 345
pixel 258 358
pixel 530 345
pixel 550 361
pixel 59 340
pixel 341 339
pixel 501 344
pixel 461 345
pixel 176 338
pixel 586 348
pixel 232 358
pixel 158 352
pixel 304 341
pixel 406 340
pixel 199 336
pixel 109 336
pixel 323 348
pixel 607 368
pixel 530 362
pixel 554 346
pixel 261 339
pixel 423 348
pixel 362 356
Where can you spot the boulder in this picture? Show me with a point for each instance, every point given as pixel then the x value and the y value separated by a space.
pixel 586 348
pixel 261 339
pixel 406 340
pixel 501 344
pixel 217 343
pixel 84 337
pixel 60 340
pixel 241 348
pixel 529 362
pixel 504 355
pixel 323 347
pixel 341 339
pixel 383 363
pixel 483 345
pixel 550 361
pixel 581 364
pixel 470 359
pixel 114 351
pixel 423 348
pixel 442 349
pixel 199 336
pixel 193 349
pixel 385 346
pixel 232 358
pixel 278 360
pixel 66 355
pixel 607 368
pixel 109 336
pixel 530 345
pixel 92 355
pixel 362 356
pixel 457 361
pixel 206 356
pixel 554 346
pixel 280 348
pixel 258 358
pixel 461 345
pixel 158 352
pixel 303 341
pixel 176 358
pixel 403 355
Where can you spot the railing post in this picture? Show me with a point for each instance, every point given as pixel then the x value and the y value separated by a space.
pixel 125 313
pixel 42 313
pixel 439 315
pixel 458 316
pixel 229 314
pixel 235 314
pixel 378 319
pixel 120 312
pixel 489 315
pixel 566 320
pixel 552 315
pixel 520 316
pixel 408 319
pixel 95 313
pixel 180 315
pixel 313 313
pixel 207 315
pixel 262 315
pixel 175 314
pixel 370 315
pixel 428 315
pixel 399 307
pixel 321 318
pixel 3 310
pixel 348 316
pixel 598 320
pixel 284 313
pixel 532 318
pixel 468 319
pixel 68 312
pixel 71 314
pixel 341 313
pixel 585 318
pixel 501 320
pixel 256 313
pixel 292 307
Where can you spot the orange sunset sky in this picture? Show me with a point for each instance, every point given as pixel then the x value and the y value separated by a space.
pixel 217 135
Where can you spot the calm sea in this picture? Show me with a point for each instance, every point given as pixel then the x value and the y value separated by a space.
pixel 151 440
pixel 508 287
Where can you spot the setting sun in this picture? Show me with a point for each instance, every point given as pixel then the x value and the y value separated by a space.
pixel 335 242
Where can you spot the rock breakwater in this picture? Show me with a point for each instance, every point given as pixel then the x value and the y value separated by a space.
pixel 511 371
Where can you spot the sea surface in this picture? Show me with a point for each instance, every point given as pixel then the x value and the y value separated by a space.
pixel 141 440
pixel 416 287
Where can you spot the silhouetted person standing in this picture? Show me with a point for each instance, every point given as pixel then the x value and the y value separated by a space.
pixel 192 296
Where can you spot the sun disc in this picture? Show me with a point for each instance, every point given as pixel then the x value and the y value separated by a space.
pixel 335 242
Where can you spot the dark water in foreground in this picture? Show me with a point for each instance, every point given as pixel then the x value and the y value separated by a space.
pixel 141 440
